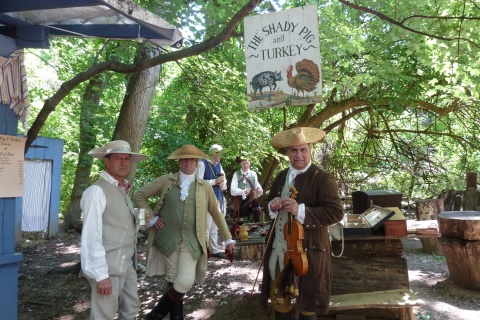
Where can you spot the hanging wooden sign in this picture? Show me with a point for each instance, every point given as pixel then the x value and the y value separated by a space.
pixel 283 58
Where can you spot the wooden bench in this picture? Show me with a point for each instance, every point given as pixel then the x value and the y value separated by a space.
pixel 402 299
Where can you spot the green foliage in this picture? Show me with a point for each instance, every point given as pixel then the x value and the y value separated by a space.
pixel 400 142
pixel 400 107
pixel 439 258
pixel 48 69
pixel 421 316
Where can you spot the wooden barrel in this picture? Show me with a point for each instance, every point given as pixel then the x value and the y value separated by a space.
pixel 461 245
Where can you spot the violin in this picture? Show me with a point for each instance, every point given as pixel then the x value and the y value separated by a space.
pixel 294 235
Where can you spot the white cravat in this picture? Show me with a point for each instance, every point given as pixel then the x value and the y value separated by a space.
pixel 185 180
pixel 294 172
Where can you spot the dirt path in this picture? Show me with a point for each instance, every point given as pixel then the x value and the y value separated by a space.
pixel 49 287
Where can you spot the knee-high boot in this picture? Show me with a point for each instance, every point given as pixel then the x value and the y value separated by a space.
pixel 177 311
pixel 165 305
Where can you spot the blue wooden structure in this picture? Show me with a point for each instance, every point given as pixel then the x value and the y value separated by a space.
pixel 9 259
pixel 47 149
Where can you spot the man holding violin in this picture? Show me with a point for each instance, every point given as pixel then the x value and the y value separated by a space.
pixel 316 206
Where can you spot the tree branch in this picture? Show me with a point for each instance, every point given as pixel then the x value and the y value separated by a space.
pixel 436 133
pixel 66 87
pixel 401 25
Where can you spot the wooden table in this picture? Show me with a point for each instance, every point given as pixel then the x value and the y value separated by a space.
pixel 250 241
pixel 370 265
pixel 399 302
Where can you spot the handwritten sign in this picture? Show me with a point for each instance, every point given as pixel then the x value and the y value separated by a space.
pixel 283 58
pixel 11 166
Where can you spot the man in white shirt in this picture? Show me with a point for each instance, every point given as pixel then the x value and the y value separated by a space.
pixel 108 243
pixel 245 190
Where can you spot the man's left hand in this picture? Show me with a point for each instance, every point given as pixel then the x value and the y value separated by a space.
pixel 231 247
pixel 291 205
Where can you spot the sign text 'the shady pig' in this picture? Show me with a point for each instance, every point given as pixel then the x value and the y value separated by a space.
pixel 283 58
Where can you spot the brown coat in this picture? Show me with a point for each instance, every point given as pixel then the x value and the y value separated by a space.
pixel 318 191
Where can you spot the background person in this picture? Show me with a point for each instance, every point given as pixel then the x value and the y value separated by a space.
pixel 211 170
pixel 245 190
pixel 177 237
pixel 108 241
pixel 316 206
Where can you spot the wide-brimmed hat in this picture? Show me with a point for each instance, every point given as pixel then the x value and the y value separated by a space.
pixel 116 146
pixel 187 151
pixel 215 149
pixel 296 136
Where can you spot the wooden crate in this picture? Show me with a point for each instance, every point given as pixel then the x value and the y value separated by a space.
pixel 396 226
pixel 365 224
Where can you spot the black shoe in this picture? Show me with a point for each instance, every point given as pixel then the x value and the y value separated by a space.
pixel 219 255
pixel 283 316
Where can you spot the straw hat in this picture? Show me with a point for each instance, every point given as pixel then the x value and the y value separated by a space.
pixel 187 151
pixel 215 149
pixel 116 146
pixel 295 137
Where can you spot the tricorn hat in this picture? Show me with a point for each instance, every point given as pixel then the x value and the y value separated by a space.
pixel 241 157
pixel 187 151
pixel 116 146
pixel 296 136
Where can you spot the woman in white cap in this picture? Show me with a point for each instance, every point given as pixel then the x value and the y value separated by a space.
pixel 211 170
pixel 108 243
pixel 177 236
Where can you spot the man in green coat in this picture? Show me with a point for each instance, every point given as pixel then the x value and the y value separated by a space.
pixel 177 231
pixel 316 206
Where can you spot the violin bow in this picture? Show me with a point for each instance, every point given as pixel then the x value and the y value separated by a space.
pixel 294 192
pixel 264 253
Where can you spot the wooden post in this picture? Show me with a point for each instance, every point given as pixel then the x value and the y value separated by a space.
pixel 429 210
pixel 471 195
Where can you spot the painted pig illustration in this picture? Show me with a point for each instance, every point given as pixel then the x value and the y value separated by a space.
pixel 265 79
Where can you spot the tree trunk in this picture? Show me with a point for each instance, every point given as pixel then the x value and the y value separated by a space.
pixel 429 210
pixel 137 103
pixel 87 141
pixel 268 168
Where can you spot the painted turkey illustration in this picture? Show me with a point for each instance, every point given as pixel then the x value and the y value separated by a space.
pixel 307 76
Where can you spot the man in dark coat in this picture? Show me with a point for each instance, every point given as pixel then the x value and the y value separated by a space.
pixel 316 206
